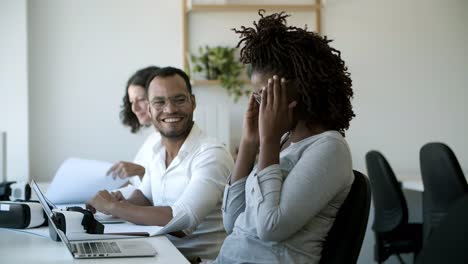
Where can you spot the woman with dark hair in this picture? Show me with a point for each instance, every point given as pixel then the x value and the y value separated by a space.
pixel 134 114
pixel 280 208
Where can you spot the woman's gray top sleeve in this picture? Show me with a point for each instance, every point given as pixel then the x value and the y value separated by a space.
pixel 233 203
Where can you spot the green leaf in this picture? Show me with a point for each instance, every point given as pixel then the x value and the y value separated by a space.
pixel 220 62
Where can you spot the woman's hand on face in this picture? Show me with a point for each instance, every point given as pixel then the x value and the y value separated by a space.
pixel 250 127
pixel 123 169
pixel 276 113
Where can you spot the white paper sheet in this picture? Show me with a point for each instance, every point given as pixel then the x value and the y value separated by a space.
pixel 131 229
pixel 77 180
pixel 127 191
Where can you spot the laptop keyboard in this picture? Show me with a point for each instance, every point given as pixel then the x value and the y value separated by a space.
pixel 96 247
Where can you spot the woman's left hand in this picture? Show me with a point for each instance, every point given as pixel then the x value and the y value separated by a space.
pixel 276 113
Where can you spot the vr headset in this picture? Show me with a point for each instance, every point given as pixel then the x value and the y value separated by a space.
pixel 21 215
pixel 76 220
pixel 13 191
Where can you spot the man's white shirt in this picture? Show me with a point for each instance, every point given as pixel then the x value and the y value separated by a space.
pixel 193 187
pixel 144 155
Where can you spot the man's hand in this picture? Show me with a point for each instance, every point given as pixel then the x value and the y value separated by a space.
pixel 138 198
pixel 103 202
pixel 123 169
pixel 119 196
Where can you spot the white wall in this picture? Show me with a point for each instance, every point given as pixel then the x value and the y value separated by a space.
pixel 81 55
pixel 14 86
pixel 408 61
pixel 205 29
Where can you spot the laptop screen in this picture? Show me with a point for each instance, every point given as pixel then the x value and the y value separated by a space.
pixel 49 214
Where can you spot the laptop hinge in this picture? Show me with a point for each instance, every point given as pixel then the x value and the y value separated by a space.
pixel 73 248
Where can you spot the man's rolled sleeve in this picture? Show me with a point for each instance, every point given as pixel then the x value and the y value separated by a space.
pixel 181 219
pixel 145 187
pixel 210 170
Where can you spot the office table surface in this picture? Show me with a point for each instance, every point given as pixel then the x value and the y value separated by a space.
pixel 413 185
pixel 19 247
pixel 414 181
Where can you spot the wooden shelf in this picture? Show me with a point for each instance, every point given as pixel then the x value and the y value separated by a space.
pixel 211 82
pixel 242 8
pixel 204 82
pixel 314 7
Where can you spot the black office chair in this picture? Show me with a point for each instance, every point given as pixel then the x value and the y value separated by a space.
pixel 393 233
pixel 344 239
pixel 443 182
pixel 448 242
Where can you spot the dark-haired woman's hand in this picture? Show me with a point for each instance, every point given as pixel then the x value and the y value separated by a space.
pixel 275 119
pixel 248 147
pixel 250 134
pixel 276 112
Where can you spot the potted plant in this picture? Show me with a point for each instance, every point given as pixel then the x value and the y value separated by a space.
pixel 220 63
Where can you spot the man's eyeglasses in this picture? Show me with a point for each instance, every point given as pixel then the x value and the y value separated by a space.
pixel 159 103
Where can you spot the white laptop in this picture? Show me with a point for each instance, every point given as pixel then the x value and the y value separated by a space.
pixel 96 249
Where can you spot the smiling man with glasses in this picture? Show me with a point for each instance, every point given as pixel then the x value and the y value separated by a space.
pixel 183 186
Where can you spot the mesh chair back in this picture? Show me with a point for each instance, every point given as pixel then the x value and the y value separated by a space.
pixel 344 239
pixel 444 183
pixel 390 206
pixel 448 243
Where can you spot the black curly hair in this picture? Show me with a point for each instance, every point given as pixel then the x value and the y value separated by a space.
pixel 139 78
pixel 317 70
pixel 166 72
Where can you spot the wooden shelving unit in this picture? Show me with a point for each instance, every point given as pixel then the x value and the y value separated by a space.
pixel 210 82
pixel 314 6
pixel 204 82
pixel 241 8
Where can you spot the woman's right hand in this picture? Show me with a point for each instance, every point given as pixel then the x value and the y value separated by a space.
pixel 250 133
pixel 123 169
pixel 249 144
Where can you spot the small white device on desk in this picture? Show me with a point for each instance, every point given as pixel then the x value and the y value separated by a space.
pixel 96 249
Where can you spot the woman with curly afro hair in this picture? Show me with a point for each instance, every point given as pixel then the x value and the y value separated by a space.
pixel 134 113
pixel 280 208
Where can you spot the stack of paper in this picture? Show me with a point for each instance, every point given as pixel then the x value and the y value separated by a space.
pixel 78 180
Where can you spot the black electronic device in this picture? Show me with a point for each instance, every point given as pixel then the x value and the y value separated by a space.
pixel 81 219
pixel 15 191
pixel 5 190
pixel 20 215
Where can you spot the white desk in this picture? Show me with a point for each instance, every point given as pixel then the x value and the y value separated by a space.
pixel 18 247
pixel 413 185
